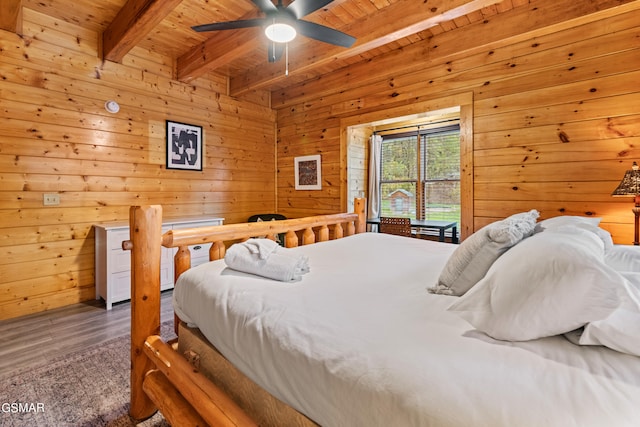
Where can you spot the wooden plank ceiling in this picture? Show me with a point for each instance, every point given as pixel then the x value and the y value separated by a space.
pixel 164 26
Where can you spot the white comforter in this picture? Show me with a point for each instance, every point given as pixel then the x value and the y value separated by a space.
pixel 360 342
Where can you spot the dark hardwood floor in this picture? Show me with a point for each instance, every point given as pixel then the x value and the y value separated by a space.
pixel 39 338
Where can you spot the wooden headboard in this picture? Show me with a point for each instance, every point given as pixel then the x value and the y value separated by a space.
pixel 160 378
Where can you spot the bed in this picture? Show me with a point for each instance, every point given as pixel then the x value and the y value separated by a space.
pixel 380 332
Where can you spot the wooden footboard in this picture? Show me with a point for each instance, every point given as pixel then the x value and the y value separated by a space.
pixel 160 378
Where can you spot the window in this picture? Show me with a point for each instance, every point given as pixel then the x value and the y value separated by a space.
pixel 420 174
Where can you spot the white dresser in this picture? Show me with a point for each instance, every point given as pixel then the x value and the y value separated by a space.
pixel 113 265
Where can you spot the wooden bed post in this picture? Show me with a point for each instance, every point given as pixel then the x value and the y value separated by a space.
pixel 360 208
pixel 145 225
pixel 217 250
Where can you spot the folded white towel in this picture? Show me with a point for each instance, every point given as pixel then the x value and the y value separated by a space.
pixel 262 247
pixel 264 257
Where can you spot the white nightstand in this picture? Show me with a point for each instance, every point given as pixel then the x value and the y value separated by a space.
pixel 113 265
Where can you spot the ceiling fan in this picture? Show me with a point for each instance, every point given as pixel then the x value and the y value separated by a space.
pixel 283 23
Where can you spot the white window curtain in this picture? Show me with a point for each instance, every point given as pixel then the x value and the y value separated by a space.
pixel 375 151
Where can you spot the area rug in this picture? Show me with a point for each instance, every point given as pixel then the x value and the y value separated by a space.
pixel 88 388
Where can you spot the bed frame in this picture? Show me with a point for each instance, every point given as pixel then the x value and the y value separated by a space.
pixel 161 378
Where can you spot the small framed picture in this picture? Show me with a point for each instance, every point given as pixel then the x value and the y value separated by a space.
pixel 308 172
pixel 184 146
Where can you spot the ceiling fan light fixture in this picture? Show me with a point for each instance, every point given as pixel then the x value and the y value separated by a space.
pixel 279 32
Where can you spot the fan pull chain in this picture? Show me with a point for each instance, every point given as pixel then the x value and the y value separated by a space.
pixel 286 58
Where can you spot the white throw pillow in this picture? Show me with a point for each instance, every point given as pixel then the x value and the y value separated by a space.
pixel 549 284
pixel 472 259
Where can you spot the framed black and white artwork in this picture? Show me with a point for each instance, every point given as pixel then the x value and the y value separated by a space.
pixel 308 173
pixel 184 146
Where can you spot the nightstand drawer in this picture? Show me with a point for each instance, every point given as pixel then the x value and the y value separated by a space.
pixel 199 254
pixel 115 239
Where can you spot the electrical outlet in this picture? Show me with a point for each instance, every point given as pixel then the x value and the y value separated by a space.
pixel 51 199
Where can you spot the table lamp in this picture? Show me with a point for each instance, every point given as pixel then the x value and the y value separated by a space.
pixel 630 186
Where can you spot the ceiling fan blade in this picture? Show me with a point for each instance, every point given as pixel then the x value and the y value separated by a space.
pixel 265 5
pixel 302 8
pixel 275 51
pixel 229 25
pixel 324 34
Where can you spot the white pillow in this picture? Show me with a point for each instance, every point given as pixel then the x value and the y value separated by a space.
pixel 621 329
pixel 605 236
pixel 549 284
pixel 587 223
pixel 558 221
pixel 623 258
pixel 471 260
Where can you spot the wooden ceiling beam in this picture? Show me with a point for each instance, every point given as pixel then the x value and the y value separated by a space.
pixel 11 16
pixel 401 19
pixel 218 50
pixel 132 23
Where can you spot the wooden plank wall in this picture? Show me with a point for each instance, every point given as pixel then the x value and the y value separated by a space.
pixel 56 137
pixel 556 111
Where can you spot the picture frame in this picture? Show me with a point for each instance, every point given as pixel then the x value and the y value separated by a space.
pixel 308 172
pixel 184 146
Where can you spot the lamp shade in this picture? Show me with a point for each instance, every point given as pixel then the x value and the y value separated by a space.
pixel 630 184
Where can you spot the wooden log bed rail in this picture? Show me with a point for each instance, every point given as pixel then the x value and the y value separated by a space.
pixel 162 379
